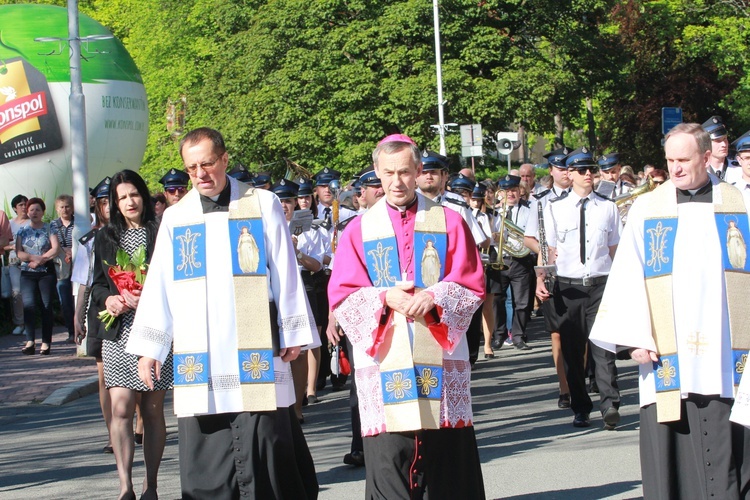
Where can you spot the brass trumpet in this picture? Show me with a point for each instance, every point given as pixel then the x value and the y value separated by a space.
pixel 625 200
pixel 512 243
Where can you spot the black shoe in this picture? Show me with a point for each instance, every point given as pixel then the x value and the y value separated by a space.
pixel 522 346
pixel 305 401
pixel 563 401
pixel 489 355
pixel 592 387
pixel 581 420
pixel 355 458
pixel 29 350
pixel 138 438
pixel 611 417
pixel 108 449
pixel 44 352
pixel 497 345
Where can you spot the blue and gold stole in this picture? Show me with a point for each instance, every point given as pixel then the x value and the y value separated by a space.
pixel 411 377
pixel 659 236
pixel 254 335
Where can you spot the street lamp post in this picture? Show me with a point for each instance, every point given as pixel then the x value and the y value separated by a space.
pixel 439 70
pixel 77 105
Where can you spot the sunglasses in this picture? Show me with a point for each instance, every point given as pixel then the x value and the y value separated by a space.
pixel 174 190
pixel 582 170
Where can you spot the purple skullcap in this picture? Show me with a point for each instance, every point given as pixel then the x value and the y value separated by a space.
pixel 397 138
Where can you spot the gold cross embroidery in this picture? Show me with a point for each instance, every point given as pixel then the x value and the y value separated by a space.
pixel 696 343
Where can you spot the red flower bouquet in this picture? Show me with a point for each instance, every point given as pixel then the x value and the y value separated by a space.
pixel 128 274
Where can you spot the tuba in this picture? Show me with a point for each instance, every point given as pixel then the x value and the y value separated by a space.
pixel 625 200
pixel 510 243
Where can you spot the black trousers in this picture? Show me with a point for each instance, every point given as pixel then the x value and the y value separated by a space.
pixel 703 455
pixel 579 305
pixel 434 464
pixel 474 334
pixel 253 455
pixel 522 280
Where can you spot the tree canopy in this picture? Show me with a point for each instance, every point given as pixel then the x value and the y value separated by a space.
pixel 319 83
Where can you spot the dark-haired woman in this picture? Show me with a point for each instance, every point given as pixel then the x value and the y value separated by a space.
pixel 18 222
pixel 36 246
pixel 132 225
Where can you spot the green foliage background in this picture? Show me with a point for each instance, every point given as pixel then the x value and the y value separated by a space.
pixel 319 82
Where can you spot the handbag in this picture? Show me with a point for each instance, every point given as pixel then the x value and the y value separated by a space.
pixel 5 286
pixel 62 268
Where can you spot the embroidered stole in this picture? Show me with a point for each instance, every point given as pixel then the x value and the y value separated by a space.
pixel 254 334
pixel 659 236
pixel 411 378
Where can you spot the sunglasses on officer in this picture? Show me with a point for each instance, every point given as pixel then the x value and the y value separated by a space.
pixel 582 170
pixel 175 190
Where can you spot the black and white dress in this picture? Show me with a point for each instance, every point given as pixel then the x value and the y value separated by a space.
pixel 120 367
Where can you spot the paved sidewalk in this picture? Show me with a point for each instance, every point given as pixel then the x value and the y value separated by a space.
pixel 32 379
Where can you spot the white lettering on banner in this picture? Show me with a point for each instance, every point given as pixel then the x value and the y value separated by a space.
pixel 22 109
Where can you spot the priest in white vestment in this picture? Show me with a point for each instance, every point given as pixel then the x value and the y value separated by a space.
pixel 237 314
pixel 683 303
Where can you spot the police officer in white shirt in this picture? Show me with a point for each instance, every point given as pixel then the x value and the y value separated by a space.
pixel 463 187
pixel 610 167
pixel 583 229
pixel 719 164
pixel 742 147
pixel 431 183
pixel 325 198
pixel 519 275
pixel 560 186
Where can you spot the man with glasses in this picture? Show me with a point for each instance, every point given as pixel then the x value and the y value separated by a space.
pixel 528 175
pixel 175 185
pixel 583 229
pixel 676 301
pixel 223 287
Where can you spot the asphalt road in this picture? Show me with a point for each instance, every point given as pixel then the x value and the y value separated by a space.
pixel 528 447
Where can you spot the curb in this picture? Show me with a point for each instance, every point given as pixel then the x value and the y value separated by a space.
pixel 73 391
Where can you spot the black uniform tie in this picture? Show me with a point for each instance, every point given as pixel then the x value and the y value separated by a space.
pixel 582 230
pixel 327 214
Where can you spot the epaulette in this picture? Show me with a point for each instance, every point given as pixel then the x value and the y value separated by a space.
pixel 87 237
pixel 456 202
pixel 561 197
pixel 525 203
pixel 342 224
pixel 602 196
pixel 325 224
pixel 541 195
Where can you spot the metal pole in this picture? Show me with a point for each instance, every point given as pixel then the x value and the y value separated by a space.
pixel 77 103
pixel 439 69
